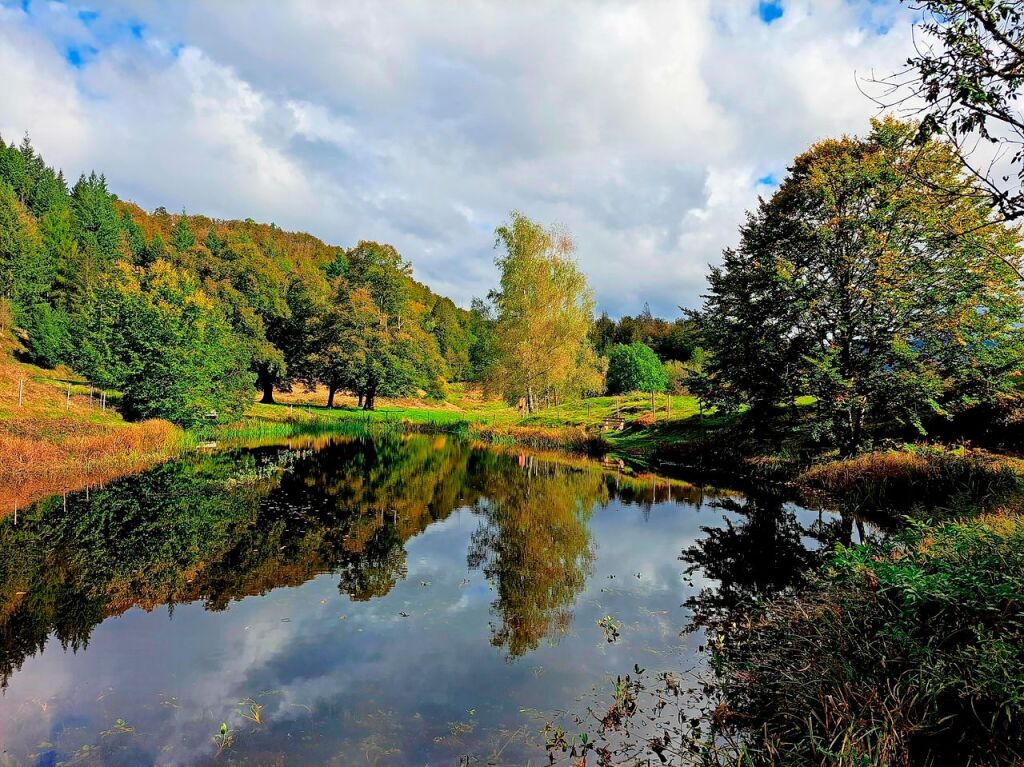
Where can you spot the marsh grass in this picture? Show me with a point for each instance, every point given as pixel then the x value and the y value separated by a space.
pixel 53 442
pixel 942 480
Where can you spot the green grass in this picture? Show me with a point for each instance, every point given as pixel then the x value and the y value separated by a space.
pixel 494 421
pixel 909 651
pixel 282 413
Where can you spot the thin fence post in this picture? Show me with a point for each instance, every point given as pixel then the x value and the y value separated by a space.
pixel 21 391
pixel 67 403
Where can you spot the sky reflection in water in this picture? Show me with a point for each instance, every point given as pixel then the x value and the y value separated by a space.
pixel 404 600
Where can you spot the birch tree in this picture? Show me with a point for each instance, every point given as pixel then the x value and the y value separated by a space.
pixel 544 311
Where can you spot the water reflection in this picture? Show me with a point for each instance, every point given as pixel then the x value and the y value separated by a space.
pixel 760 547
pixel 534 545
pixel 356 589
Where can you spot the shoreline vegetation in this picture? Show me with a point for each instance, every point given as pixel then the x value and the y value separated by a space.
pixel 62 437
pixel 56 443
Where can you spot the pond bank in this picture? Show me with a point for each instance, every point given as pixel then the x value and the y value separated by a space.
pixel 693 447
pixel 57 434
pixel 56 443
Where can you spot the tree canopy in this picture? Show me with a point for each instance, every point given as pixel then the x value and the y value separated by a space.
pixel 544 310
pixel 862 283
pixel 967 73
pixel 635 367
pixel 74 263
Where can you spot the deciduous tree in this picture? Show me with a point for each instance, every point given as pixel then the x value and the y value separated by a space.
pixel 863 283
pixel 544 313
pixel 635 368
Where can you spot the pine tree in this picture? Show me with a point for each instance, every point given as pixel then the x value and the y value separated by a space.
pixel 182 237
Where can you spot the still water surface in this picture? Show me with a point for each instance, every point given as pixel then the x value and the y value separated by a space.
pixel 390 601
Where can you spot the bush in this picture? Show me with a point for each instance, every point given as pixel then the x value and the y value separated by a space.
pixel 910 652
pixel 439 389
pixel 635 368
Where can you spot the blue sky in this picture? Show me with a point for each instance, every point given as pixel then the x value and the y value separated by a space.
pixel 644 128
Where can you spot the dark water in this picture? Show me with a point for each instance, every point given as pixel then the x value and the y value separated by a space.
pixel 397 601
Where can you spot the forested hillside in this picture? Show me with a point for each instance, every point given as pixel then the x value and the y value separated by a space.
pixel 186 314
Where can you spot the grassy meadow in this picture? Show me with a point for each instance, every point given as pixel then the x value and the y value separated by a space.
pixel 626 425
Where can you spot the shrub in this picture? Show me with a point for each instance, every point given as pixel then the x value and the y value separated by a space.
pixel 439 389
pixel 911 652
pixel 635 368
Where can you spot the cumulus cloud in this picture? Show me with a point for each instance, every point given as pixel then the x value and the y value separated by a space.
pixel 645 127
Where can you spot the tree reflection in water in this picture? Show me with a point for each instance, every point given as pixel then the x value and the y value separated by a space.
pixel 534 546
pixel 217 528
pixel 760 550
pixel 214 529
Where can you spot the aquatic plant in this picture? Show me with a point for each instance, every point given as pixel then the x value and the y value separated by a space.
pixel 224 739
pixel 252 710
pixel 610 627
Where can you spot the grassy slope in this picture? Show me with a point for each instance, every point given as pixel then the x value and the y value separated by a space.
pixel 51 443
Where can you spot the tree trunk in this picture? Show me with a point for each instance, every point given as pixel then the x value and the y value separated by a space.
pixel 850 441
pixel 267 384
pixel 331 390
pixel 368 400
pixel 359 398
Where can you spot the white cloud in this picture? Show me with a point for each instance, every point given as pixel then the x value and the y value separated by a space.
pixel 642 126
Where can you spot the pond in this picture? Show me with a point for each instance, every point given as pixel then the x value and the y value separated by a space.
pixel 394 600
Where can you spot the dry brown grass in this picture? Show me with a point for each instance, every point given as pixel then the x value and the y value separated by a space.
pixel 572 438
pixel 892 465
pixel 53 443
pixel 922 476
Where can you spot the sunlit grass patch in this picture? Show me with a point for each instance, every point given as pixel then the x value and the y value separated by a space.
pixel 56 435
pixel 586 425
pixel 917 476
